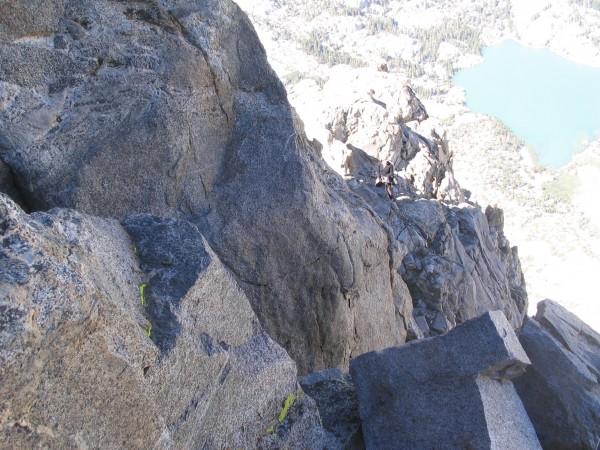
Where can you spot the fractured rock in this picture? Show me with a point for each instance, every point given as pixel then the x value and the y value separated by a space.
pixel 96 350
pixel 451 391
pixel 170 108
pixel 377 125
pixel 456 257
pixel 466 266
pixel 561 390
pixel 574 334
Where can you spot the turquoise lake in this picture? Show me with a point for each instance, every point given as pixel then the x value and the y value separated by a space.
pixel 546 100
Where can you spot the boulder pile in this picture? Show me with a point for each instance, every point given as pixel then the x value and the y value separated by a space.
pixel 451 391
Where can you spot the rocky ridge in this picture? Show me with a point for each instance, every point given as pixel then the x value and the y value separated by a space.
pixel 457 262
pixel 424 43
pixel 114 130
pixel 187 255
pixel 111 340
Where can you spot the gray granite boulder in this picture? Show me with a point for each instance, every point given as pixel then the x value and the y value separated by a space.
pixel 572 332
pixel 113 342
pixel 170 108
pixel 447 392
pixel 561 390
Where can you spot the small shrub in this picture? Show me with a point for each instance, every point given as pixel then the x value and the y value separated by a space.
pixel 561 189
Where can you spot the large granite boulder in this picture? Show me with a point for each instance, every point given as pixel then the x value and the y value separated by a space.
pixel 113 342
pixel 561 390
pixel 447 392
pixel 170 108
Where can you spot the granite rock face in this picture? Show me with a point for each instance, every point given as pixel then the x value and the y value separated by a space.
pixel 450 391
pixel 378 125
pixel 457 262
pixel 170 108
pixel 117 343
pixel 561 390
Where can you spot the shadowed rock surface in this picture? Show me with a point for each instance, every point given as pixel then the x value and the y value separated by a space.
pixel 8 186
pixel 83 361
pixel 561 390
pixel 335 395
pixel 170 108
pixel 451 391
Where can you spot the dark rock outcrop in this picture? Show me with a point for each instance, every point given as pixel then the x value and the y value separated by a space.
pixel 335 395
pixel 561 390
pixel 170 108
pixel 451 391
pixel 95 351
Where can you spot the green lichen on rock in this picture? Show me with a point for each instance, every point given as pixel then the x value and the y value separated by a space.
pixel 289 401
pixel 142 296
pixel 287 404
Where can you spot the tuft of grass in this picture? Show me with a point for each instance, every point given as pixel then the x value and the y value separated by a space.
pixel 294 77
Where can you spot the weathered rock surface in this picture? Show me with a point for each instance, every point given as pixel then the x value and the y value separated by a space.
pixel 335 395
pixel 98 351
pixel 451 391
pixel 561 390
pixel 574 334
pixel 457 262
pixel 377 124
pixel 170 108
